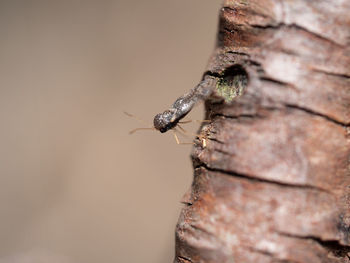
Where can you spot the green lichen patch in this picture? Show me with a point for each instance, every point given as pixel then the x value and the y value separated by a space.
pixel 231 85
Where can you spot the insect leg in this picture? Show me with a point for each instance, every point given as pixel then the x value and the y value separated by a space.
pixel 178 141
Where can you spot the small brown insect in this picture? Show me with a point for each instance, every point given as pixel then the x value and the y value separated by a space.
pixel 184 104
pixel 227 85
pixel 171 118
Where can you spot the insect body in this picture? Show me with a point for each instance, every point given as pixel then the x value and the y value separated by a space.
pixel 171 118
pixel 183 105
pixel 227 84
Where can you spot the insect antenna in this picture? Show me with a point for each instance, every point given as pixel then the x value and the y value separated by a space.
pixel 139 120
pixel 177 129
pixel 135 117
pixel 138 129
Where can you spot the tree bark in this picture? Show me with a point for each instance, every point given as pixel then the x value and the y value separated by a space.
pixel 272 181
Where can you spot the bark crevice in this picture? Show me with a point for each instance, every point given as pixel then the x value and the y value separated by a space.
pixel 255 178
pixel 183 259
pixel 331 245
pixel 334 74
pixel 286 106
pixel 280 26
pixel 314 113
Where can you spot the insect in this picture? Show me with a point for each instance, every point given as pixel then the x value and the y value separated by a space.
pixel 171 118
pixel 227 84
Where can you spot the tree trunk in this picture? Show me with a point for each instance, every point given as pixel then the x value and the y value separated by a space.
pixel 272 180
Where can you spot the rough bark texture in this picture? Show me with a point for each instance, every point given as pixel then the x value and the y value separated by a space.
pixel 272 183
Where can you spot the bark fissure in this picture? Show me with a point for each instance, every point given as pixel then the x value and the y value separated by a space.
pixel 343 76
pixel 238 53
pixel 332 245
pixel 264 252
pixel 256 178
pixel 248 11
pixel 314 113
pixel 215 140
pixel 236 117
pixel 275 81
pixel 201 229
pixel 220 150
pixel 297 27
pixel 288 106
pixel 272 255
pixel 280 83
pixel 187 203
pixel 184 259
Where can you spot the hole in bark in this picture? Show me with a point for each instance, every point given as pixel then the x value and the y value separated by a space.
pixel 232 83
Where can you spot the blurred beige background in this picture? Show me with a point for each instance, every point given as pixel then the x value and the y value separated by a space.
pixel 74 186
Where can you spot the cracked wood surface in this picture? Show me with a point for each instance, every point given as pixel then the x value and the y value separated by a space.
pixel 273 182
